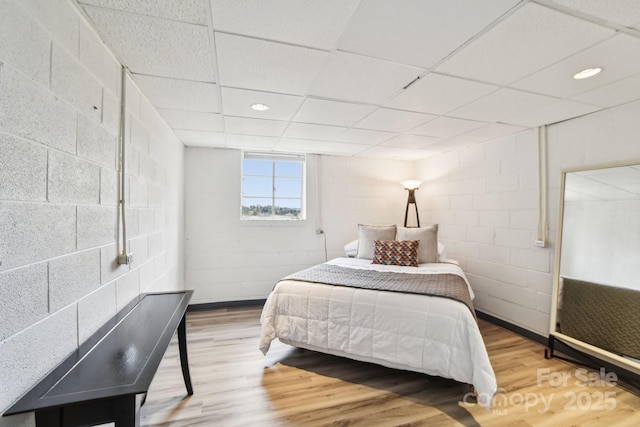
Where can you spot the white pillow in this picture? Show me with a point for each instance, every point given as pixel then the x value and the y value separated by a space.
pixel 368 234
pixel 351 249
pixel 428 237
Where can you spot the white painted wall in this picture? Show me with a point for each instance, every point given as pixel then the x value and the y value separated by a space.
pixel 485 197
pixel 228 259
pixel 59 121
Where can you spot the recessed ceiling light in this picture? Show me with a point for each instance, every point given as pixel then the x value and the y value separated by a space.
pixel 260 107
pixel 586 73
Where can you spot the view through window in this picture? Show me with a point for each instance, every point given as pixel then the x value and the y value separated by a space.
pixel 272 186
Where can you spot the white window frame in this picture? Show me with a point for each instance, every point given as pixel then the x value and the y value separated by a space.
pixel 274 157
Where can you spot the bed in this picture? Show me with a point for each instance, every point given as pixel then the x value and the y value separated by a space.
pixel 430 334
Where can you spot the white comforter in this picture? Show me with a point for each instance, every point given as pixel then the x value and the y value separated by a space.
pixel 432 335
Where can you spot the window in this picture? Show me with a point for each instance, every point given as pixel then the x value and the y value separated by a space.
pixel 272 186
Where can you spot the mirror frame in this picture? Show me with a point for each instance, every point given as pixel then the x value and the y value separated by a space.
pixel 577 344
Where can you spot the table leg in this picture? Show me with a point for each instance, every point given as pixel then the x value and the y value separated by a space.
pixel 184 360
pixel 127 411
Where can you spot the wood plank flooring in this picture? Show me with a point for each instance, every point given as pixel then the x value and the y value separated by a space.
pixel 235 385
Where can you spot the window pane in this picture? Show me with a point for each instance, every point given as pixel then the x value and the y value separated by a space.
pixel 293 169
pixel 288 207
pixel 256 207
pixel 257 167
pixel 288 187
pixel 256 186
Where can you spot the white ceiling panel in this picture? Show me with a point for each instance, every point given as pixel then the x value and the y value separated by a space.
pixel 552 113
pixel 394 153
pixel 439 94
pixel 179 94
pixel 261 65
pixel 492 131
pixel 620 92
pixel 445 127
pixel 311 23
pixel 389 120
pixel 193 11
pixel 312 131
pixel 500 105
pixel 623 12
pixel 531 39
pixel 362 136
pixel 251 142
pixel 411 141
pixel 198 138
pixel 334 113
pixel 155 46
pixel 418 32
pixel 357 78
pixel 320 147
pixel 250 126
pixel 237 102
pixel 619 57
pixel 192 120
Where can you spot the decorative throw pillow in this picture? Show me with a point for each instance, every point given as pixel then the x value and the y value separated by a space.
pixel 368 234
pixel 396 252
pixel 428 237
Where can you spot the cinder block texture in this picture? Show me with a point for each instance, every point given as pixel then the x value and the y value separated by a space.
pixel 72 180
pixel 23 298
pixel 96 226
pixel 23 170
pixel 60 20
pixel 109 267
pixel 96 143
pixel 31 232
pixel 108 187
pixel 71 81
pixel 23 43
pixel 72 277
pixel 32 112
pixel 98 60
pixel 127 288
pixel 26 357
pixel 95 309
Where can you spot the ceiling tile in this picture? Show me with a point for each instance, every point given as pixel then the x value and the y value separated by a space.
pixel 617 93
pixel 450 144
pixel 193 11
pixel 362 136
pixel 498 106
pixel 320 147
pixel 237 102
pixel 445 127
pixel 389 120
pixel 411 141
pixel 311 23
pixel 492 131
pixel 250 126
pixel 418 32
pixel 313 131
pixel 619 57
pixel 358 78
pixel 393 153
pixel 156 46
pixel 198 138
pixel 553 113
pixel 267 66
pixel 179 94
pixel 192 120
pixel 623 12
pixel 532 38
pixel 251 142
pixel 439 94
pixel 331 112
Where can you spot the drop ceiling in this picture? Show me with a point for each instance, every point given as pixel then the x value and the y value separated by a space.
pixel 402 79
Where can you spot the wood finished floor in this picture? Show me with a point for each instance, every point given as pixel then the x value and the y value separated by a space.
pixel 235 385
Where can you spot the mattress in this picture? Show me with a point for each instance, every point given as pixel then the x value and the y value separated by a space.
pixel 420 333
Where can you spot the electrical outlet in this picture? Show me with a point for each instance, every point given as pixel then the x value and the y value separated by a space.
pixel 125 259
pixel 539 243
pixel 319 231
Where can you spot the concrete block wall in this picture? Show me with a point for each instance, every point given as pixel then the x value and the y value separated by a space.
pixel 59 125
pixel 227 259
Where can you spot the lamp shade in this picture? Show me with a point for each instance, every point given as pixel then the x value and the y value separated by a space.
pixel 411 184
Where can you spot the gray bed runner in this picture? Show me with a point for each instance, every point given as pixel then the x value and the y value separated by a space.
pixel 443 285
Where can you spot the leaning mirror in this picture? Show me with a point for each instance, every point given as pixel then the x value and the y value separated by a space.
pixel 596 300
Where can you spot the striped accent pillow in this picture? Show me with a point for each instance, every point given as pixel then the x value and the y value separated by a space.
pixel 396 252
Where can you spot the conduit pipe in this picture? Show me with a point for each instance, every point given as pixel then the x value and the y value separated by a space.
pixel 541 238
pixel 123 256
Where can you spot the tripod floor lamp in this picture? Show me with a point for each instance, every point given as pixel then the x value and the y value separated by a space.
pixel 411 186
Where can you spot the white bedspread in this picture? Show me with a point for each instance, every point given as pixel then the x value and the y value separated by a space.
pixel 432 335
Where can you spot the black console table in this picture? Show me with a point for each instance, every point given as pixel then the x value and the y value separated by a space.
pixel 107 378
